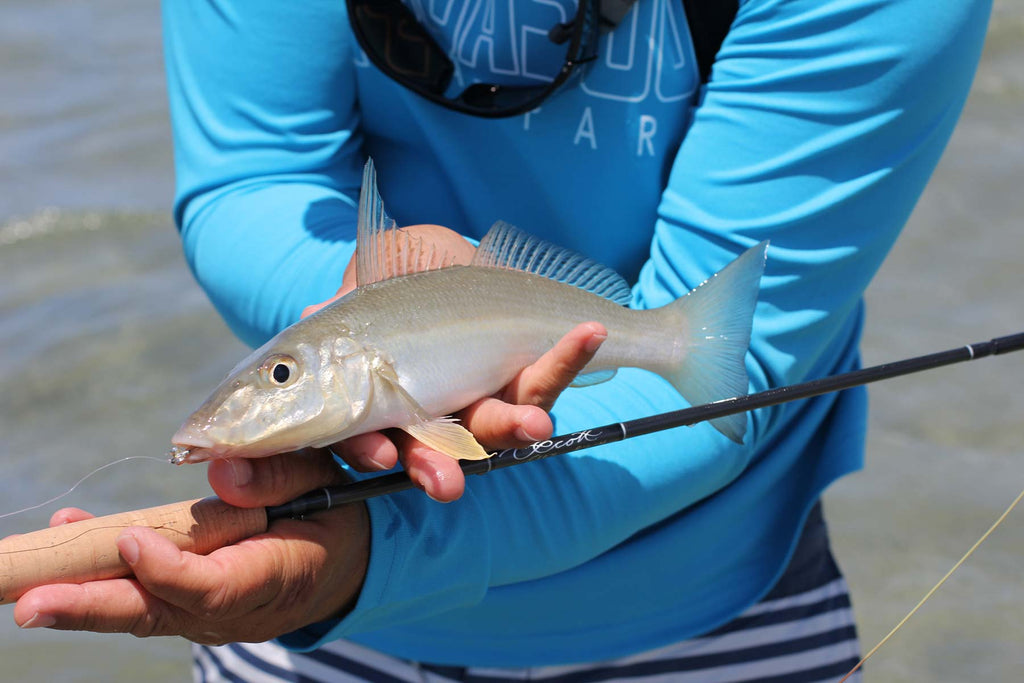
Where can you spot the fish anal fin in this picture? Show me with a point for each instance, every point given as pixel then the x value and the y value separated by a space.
pixel 589 379
pixel 446 435
pixel 383 250
pixel 506 246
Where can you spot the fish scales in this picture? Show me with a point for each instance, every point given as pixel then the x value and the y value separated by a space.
pixel 475 328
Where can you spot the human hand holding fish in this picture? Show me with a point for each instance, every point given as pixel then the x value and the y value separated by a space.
pixel 295 573
pixel 514 417
pixel 383 358
pixel 421 337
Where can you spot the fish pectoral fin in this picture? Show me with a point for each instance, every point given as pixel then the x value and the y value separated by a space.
pixel 446 435
pixel 589 379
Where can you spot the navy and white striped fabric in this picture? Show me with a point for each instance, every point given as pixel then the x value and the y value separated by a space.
pixel 801 632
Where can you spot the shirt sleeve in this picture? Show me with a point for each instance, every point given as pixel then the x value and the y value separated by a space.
pixel 268 156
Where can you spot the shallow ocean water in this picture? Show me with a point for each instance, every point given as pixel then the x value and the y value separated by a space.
pixel 106 343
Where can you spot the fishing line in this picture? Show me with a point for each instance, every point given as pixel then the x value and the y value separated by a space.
pixel 93 530
pixel 936 587
pixel 79 482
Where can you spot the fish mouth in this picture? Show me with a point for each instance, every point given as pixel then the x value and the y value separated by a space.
pixel 190 445
pixel 179 455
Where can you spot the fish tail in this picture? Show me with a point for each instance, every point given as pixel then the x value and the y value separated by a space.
pixel 718 316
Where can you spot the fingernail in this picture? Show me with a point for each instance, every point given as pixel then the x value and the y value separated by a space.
pixel 242 471
pixel 422 486
pixel 377 463
pixel 524 435
pixel 425 486
pixel 40 621
pixel 128 547
pixel 594 342
pixel 359 456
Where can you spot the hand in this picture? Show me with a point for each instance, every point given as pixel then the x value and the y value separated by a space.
pixel 296 573
pixel 516 416
pixel 449 248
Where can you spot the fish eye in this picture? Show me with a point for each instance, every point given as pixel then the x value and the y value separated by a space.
pixel 279 370
pixel 281 373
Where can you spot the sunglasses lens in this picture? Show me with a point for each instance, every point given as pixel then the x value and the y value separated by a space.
pixel 400 47
pixel 396 42
pixel 483 97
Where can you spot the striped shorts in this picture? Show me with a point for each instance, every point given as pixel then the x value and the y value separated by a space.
pixel 801 632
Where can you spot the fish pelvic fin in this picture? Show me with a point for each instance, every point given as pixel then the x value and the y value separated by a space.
pixel 443 434
pixel 719 314
pixel 383 250
pixel 506 246
pixel 446 435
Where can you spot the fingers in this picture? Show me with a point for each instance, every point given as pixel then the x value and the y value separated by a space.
pixel 222 586
pixel 518 416
pixel 70 607
pixel 255 482
pixel 181 586
pixel 69 515
pixel 498 425
pixel 255 590
pixel 436 474
pixel 542 382
pixel 370 452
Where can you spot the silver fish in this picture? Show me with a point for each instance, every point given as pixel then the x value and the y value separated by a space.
pixel 409 346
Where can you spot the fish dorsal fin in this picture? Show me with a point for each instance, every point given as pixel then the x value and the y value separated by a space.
pixel 383 250
pixel 506 246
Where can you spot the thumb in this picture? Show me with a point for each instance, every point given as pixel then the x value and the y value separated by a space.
pixel 258 482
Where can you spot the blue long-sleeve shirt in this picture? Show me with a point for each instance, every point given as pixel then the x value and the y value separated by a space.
pixel 818 130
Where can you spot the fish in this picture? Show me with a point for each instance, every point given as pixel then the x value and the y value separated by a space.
pixel 412 345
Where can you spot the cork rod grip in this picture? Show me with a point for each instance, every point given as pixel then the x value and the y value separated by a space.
pixel 85 551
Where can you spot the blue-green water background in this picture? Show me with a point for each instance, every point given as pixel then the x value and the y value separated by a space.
pixel 106 343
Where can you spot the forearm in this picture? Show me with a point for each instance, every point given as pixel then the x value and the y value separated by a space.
pixel 267 154
pixel 262 252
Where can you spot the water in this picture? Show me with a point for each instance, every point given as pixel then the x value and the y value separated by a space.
pixel 946 448
pixel 106 342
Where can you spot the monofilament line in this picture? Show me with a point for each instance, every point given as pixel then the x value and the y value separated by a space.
pixel 936 587
pixel 78 483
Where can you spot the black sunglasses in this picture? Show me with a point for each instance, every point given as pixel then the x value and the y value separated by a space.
pixel 400 47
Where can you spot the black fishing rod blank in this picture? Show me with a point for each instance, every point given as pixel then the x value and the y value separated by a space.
pixel 327 498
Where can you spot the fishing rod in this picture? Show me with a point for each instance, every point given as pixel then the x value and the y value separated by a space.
pixel 86 551
pixel 330 497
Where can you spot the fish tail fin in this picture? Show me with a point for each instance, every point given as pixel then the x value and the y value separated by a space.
pixel 718 316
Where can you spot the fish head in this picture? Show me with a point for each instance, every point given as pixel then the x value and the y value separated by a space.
pixel 285 396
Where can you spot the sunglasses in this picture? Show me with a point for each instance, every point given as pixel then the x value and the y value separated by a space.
pixel 400 47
